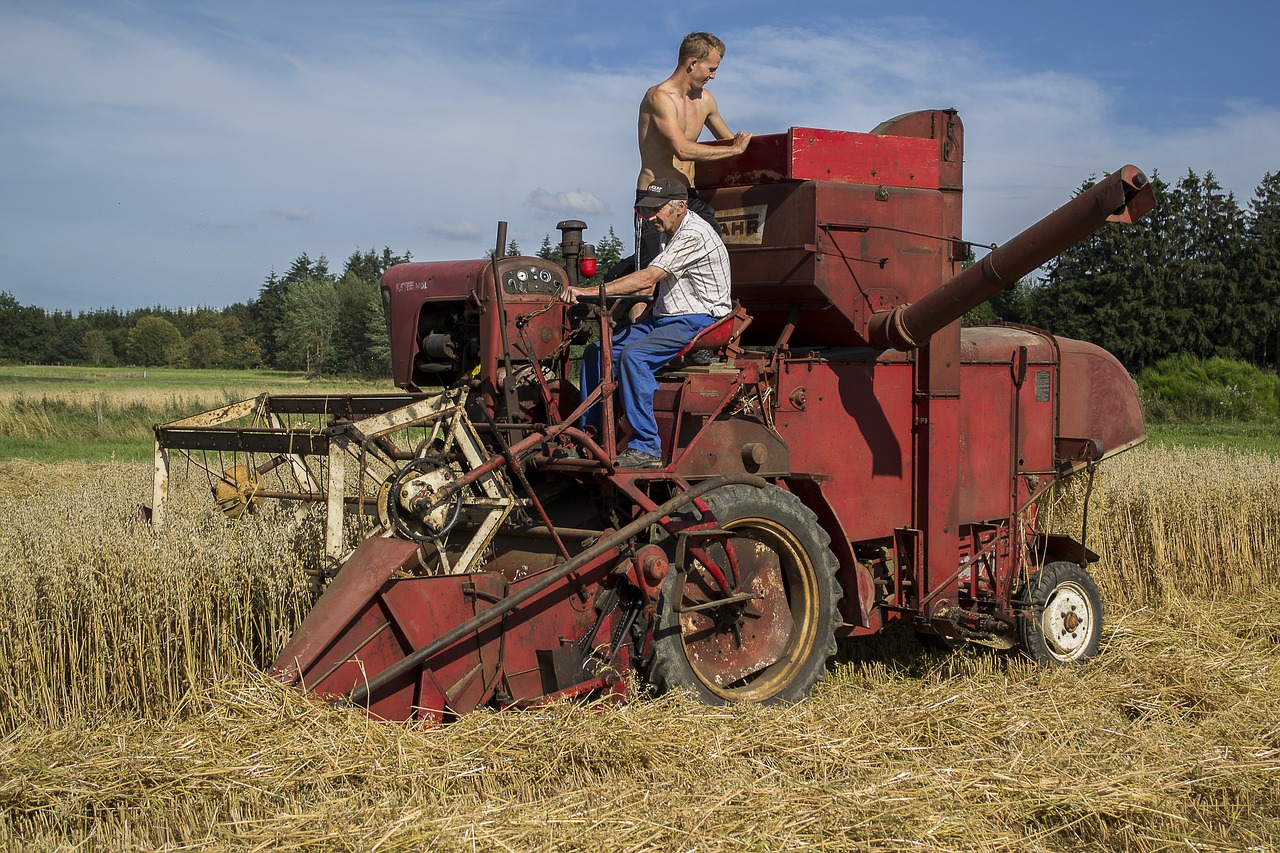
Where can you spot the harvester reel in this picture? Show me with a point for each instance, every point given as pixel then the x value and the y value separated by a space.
pixel 236 489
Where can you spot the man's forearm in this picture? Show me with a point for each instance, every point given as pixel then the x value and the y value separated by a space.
pixel 641 281
pixel 702 152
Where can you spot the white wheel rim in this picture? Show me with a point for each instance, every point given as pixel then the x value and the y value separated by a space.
pixel 1068 622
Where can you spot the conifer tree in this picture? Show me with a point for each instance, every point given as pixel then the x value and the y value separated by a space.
pixel 1261 296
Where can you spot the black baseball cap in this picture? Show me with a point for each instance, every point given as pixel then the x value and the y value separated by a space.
pixel 661 191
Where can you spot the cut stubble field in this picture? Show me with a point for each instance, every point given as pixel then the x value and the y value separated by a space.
pixel 134 715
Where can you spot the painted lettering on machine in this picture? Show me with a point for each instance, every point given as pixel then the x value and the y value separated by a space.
pixel 742 226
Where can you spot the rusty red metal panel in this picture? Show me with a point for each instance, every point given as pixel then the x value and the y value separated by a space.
pixel 406 288
pixel 528 285
pixel 936 418
pixel 863 158
pixel 837 252
pixel 990 452
pixel 423 609
pixel 1099 400
pixel 848 424
pixel 947 131
pixel 406 614
pixel 368 645
pixel 372 563
pixel 366 621
pixel 558 616
pixel 730 446
pixel 986 443
pixel 811 154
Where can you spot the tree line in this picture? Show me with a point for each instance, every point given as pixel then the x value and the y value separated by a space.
pixel 307 319
pixel 1198 275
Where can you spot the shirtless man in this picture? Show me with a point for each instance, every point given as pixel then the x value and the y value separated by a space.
pixel 674 112
pixel 672 116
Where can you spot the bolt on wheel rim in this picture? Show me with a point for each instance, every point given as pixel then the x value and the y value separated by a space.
pixel 1068 622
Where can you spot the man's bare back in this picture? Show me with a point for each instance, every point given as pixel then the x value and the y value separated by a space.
pixel 672 116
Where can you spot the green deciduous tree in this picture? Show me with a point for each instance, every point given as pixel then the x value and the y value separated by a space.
pixel 97 349
pixel 205 348
pixel 243 354
pixel 359 308
pixel 155 341
pixel 309 315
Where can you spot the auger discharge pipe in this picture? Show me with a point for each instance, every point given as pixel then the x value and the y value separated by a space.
pixel 1123 196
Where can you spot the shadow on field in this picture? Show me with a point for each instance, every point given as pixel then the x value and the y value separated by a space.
pixel 911 654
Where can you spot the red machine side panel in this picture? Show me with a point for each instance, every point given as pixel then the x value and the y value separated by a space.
pixel 406 288
pixel 986 434
pixel 1099 398
pixel 810 154
pixel 849 424
pixel 1010 431
pixel 560 615
pixel 838 252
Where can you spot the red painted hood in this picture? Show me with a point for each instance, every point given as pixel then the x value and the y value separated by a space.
pixel 1099 399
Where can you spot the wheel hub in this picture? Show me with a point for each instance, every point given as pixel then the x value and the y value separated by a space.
pixel 726 644
pixel 1067 621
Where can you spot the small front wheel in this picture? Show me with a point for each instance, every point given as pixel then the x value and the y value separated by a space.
pixel 1062 622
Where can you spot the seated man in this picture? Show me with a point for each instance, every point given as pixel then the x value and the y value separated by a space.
pixel 692 274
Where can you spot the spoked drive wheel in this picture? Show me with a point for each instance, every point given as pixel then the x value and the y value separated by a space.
pixel 1064 621
pixel 771 641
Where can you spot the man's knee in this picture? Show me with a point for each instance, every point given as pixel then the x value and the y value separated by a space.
pixel 631 358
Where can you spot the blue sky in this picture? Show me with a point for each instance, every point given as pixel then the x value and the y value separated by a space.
pixel 174 153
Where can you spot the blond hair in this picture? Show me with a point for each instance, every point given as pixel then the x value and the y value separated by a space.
pixel 699 46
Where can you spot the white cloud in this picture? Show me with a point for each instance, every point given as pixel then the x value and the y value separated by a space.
pixel 293 214
pixel 454 230
pixel 577 201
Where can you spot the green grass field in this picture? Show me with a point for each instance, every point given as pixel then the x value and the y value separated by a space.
pixel 58 414
pixel 1245 437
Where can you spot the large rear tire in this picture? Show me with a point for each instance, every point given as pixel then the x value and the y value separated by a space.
pixel 772 648
pixel 1063 623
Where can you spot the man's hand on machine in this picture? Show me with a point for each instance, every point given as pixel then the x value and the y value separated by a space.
pixel 572 294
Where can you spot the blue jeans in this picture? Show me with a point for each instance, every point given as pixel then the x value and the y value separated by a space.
pixel 638 352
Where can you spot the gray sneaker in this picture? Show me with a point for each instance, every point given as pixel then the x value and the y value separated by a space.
pixel 630 458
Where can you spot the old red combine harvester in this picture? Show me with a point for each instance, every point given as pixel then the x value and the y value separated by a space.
pixel 850 460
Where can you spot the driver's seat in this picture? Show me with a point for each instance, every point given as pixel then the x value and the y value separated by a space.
pixel 721 338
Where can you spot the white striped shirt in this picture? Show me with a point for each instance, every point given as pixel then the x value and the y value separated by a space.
pixel 696 264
